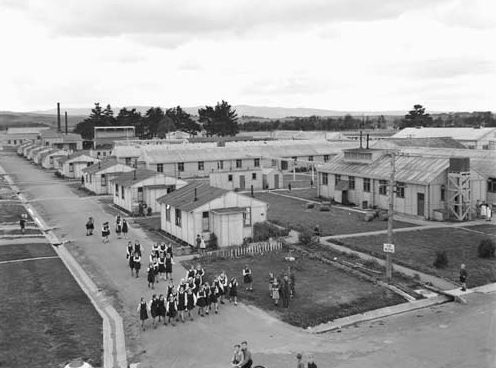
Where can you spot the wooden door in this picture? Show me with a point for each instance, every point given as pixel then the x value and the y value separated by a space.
pixel 242 182
pixel 420 204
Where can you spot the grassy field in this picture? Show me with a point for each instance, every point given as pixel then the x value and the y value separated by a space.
pixel 489 229
pixel 307 193
pixel 46 318
pixel 293 213
pixel 11 211
pixel 18 232
pixel 323 292
pixel 417 249
pixel 302 180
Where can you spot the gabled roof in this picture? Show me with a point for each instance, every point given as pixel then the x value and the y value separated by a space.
pixel 462 134
pixel 409 169
pixel 436 142
pixel 102 165
pixel 45 154
pixel 130 178
pixel 183 198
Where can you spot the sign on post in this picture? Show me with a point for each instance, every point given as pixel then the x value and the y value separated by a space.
pixel 388 248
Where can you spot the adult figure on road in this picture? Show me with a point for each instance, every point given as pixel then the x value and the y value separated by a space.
pixel 125 229
pixel 90 226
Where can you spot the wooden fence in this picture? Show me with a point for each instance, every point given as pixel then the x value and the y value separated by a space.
pixel 250 249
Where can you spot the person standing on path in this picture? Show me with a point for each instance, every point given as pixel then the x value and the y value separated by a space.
pixel 90 226
pixel 247 278
pixel 463 276
pixel 154 309
pixel 125 229
pixel 130 257
pixel 143 312
pixel 22 223
pixel 233 291
pixel 118 226
pixel 137 263
pixel 275 291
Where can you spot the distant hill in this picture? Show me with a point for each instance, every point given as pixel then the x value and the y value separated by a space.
pixel 247 110
pixel 20 119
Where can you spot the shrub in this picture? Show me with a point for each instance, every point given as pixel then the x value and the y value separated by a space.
pixel 441 260
pixel 305 237
pixel 372 263
pixel 310 205
pixel 213 242
pixel 486 248
pixel 324 208
pixel 262 231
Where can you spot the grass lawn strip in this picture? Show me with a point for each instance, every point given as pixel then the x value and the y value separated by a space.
pixel 22 251
pixel 323 292
pixel 417 249
pixel 293 213
pixel 12 211
pixel 46 316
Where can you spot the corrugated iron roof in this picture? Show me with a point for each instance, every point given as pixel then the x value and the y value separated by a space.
pixel 69 137
pixel 183 198
pixel 26 130
pixel 104 164
pixel 465 134
pixel 436 142
pixel 127 179
pixel 409 169
pixel 229 210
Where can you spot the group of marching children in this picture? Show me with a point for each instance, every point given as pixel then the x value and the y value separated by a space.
pixel 180 302
pixel 160 264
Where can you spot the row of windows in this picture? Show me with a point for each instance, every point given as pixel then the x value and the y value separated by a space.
pixel 253 176
pixel 205 217
pixel 383 185
pixel 201 165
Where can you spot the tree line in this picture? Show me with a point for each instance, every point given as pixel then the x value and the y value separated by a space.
pixel 219 120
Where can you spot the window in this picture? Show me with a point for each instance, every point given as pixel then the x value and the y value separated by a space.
pixel 254 176
pixel 284 165
pixel 230 177
pixel 310 158
pixel 180 166
pixel 122 192
pixel 140 194
pixel 167 212
pixel 178 217
pixel 383 187
pixel 325 178
pixel 443 193
pixel 116 190
pixel 89 164
pixel 205 221
pixel 247 216
pixel 351 181
pixel 256 162
pixel 201 165
pixel 238 164
pixel 160 168
pixel 71 168
pixel 295 158
pixel 274 163
pixel 326 158
pixel 337 178
pixel 10 141
pixel 103 178
pixel 400 189
pixel 220 165
pixel 366 185
pixel 491 185
pixel 128 161
pixel 104 153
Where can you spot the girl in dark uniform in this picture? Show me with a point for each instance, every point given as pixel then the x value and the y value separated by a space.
pixel 182 284
pixel 151 276
pixel 168 249
pixel 190 302
pixel 208 300
pixel 137 262
pixel 90 227
pixel 182 302
pixel 105 232
pixel 155 268
pixel 200 271
pixel 233 291
pixel 247 279
pixel 170 289
pixel 143 313
pixel 223 285
pixel 129 256
pixel 124 228
pixel 191 284
pixel 171 310
pixel 154 309
pixel 161 266
pixel 190 273
pixel 214 296
pixel 161 308
pixel 197 283
pixel 137 247
pixel 201 300
pixel 155 250
pixel 161 249
pixel 118 226
pixel 168 266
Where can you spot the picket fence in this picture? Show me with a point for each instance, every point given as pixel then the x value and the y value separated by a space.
pixel 250 249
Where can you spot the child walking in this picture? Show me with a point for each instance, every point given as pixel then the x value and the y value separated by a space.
pixel 201 301
pixel 118 226
pixel 90 226
pixel 137 263
pixel 247 279
pixel 171 310
pixel 191 302
pixel 130 257
pixel 214 297
pixel 233 291
pixel 151 276
pixel 168 266
pixel 124 228
pixel 275 291
pixel 161 308
pixel 154 309
pixel 143 313
pixel 182 302
pixel 105 232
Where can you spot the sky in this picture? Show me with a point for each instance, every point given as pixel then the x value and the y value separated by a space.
pixel 349 55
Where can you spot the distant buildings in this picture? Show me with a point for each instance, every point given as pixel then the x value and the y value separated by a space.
pixel 98 175
pixel 66 141
pixel 16 136
pixel 256 179
pixel 72 166
pixel 474 138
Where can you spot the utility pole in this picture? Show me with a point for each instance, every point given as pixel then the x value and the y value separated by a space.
pixel 390 217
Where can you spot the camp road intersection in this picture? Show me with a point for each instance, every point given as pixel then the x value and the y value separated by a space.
pixel 114 349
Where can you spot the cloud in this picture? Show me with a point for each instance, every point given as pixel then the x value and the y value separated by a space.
pixel 474 14
pixel 117 17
